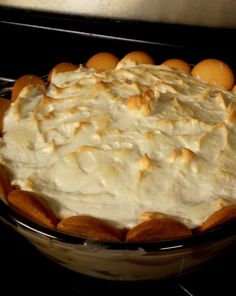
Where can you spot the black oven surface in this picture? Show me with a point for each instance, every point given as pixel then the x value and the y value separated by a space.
pixel 33 44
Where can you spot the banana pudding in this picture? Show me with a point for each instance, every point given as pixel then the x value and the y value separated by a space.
pixel 126 146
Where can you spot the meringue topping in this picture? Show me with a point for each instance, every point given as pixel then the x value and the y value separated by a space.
pixel 115 144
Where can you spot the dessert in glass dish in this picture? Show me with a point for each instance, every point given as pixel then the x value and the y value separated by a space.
pixel 122 152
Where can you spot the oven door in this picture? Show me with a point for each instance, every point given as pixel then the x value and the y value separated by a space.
pixel 217 13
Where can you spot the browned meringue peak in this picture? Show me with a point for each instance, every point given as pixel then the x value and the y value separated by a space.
pixel 143 102
pixel 185 154
pixel 123 89
pixel 152 215
pixel 213 142
pixel 231 114
pixel 29 99
pixel 144 163
pixel 69 78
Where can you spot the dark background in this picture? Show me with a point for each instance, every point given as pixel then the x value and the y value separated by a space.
pixel 32 43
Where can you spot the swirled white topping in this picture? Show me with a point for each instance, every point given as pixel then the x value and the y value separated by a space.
pixel 118 143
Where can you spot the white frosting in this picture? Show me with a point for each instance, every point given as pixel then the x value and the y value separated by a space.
pixel 118 143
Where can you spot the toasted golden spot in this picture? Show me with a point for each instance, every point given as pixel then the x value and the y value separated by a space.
pixel 185 154
pixel 87 148
pixel 230 107
pixel 175 102
pixel 52 145
pixel 232 117
pixel 151 215
pixel 220 125
pixel 222 201
pixel 220 100
pixel 165 124
pixel 142 102
pixel 49 116
pixel 146 109
pixel 58 89
pixel 188 155
pixel 174 154
pixel 134 102
pixel 140 175
pixel 117 98
pixel 72 109
pixel 148 96
pixel 82 125
pixel 130 88
pixel 29 183
pixel 146 106
pixel 214 141
pixel 103 121
pixel 204 138
pixel 231 114
pixel 144 162
pixel 100 86
pixel 43 107
pixel 164 121
pixel 148 135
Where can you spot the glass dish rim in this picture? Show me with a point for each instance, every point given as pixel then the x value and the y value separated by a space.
pixel 14 219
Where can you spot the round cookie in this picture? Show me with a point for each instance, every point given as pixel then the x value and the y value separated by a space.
pixel 60 68
pixel 221 216
pixel 140 57
pixel 178 64
pixel 214 72
pixel 23 81
pixel 4 105
pixel 102 61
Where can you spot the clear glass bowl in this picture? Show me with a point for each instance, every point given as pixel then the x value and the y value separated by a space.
pixel 123 261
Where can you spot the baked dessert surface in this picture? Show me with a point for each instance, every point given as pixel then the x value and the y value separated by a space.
pixel 116 144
